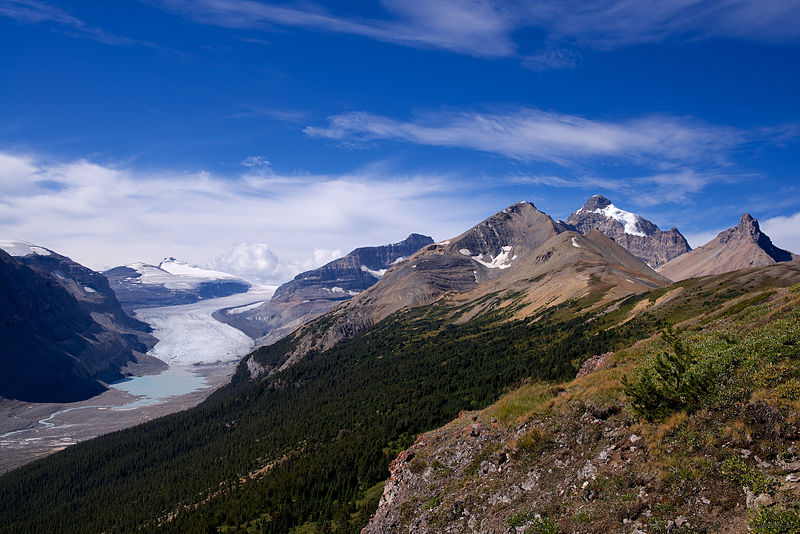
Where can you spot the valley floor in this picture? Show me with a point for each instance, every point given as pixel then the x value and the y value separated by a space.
pixel 31 430
pixel 201 351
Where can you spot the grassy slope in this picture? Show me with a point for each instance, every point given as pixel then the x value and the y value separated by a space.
pixel 690 469
pixel 306 445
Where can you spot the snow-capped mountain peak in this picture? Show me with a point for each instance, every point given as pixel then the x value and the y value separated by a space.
pixel 629 221
pixel 180 268
pixel 23 248
pixel 633 232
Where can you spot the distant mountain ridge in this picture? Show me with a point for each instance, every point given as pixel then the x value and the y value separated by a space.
pixel 636 234
pixel 171 282
pixel 63 330
pixel 314 292
pixel 739 247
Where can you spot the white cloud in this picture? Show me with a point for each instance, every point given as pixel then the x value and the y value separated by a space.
pixel 608 24
pixel 255 162
pixel 103 216
pixel 531 134
pixel 258 263
pixel 784 231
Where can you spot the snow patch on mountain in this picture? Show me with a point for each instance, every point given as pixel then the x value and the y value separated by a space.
pixel 575 243
pixel 629 221
pixel 180 268
pixel 174 274
pixel 501 261
pixel 376 273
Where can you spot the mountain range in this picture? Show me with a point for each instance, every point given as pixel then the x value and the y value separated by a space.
pixel 443 398
pixel 639 236
pixel 740 247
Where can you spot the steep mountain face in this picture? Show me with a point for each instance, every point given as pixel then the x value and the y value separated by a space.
pixel 639 236
pixel 91 289
pixel 312 293
pixel 518 250
pixel 58 347
pixel 740 247
pixel 170 283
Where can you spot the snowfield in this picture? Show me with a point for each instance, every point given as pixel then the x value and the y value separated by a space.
pixel 188 334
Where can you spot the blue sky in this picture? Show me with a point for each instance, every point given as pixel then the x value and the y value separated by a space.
pixel 269 137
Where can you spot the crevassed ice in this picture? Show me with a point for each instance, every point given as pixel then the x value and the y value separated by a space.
pixel 627 219
pixel 501 261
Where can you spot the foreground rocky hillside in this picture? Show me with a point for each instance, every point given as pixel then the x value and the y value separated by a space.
pixel 691 432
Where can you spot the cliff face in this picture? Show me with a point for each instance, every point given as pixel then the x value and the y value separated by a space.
pixel 45 336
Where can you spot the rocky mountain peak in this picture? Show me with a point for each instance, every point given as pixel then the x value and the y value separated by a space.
pixel 748 225
pixel 596 202
pixel 633 232
pixel 739 247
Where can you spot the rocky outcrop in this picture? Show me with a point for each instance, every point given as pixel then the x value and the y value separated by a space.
pixel 593 364
pixel 639 236
pixel 740 247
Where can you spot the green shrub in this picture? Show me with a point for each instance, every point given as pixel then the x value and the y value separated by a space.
pixel 671 381
pixel 771 521
pixel 739 472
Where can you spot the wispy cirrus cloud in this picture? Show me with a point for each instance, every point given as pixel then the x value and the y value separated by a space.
pixel 609 24
pixel 35 12
pixel 489 28
pixel 473 27
pixel 529 134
